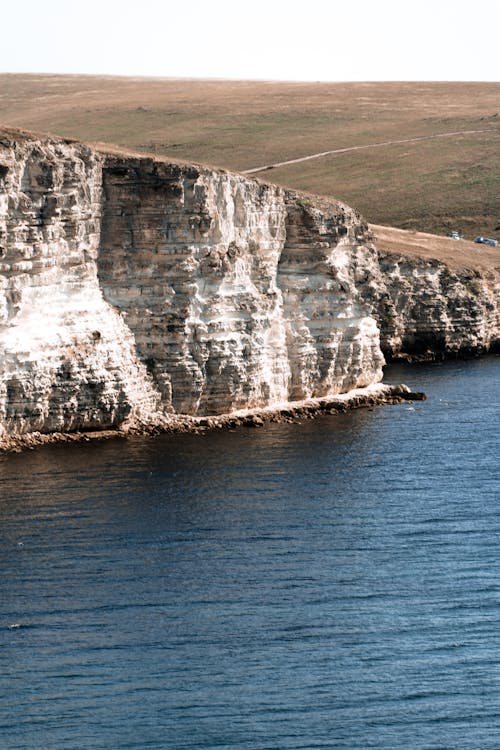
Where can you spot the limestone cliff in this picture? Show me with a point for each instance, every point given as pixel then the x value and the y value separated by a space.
pixel 134 289
pixel 433 297
pixel 67 360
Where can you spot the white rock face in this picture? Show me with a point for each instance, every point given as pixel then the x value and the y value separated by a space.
pixel 67 361
pixel 132 289
pixel 425 309
pixel 238 294
pixel 328 325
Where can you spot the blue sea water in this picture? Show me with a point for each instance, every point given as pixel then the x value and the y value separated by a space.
pixel 328 584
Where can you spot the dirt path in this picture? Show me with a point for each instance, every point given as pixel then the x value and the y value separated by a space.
pixel 319 155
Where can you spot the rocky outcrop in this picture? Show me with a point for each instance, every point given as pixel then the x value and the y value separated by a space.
pixel 134 290
pixel 427 309
pixel 238 294
pixel 67 360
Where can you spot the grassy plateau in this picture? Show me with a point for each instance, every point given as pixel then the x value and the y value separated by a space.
pixel 432 184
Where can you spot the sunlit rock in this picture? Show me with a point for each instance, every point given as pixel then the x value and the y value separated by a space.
pixel 134 289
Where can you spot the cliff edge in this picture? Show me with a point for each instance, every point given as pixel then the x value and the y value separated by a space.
pixel 134 289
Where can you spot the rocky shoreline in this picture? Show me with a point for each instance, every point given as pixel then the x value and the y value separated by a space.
pixel 141 295
pixel 373 395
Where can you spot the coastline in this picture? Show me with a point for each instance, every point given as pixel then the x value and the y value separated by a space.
pixel 373 395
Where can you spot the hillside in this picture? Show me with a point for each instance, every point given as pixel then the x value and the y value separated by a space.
pixel 430 185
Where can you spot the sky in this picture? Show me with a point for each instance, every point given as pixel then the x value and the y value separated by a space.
pixel 310 40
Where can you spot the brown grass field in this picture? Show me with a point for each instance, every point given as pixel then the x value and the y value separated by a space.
pixel 432 185
pixel 457 255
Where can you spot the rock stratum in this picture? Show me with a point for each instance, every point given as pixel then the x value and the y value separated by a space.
pixel 136 290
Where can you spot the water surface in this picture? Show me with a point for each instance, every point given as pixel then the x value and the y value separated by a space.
pixel 329 584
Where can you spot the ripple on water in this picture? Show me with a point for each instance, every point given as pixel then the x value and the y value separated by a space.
pixel 332 584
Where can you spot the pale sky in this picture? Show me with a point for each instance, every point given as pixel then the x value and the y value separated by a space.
pixel 314 40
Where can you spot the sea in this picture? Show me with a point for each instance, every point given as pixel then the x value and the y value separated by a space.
pixel 328 583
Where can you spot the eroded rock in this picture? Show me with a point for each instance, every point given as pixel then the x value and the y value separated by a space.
pixel 138 294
